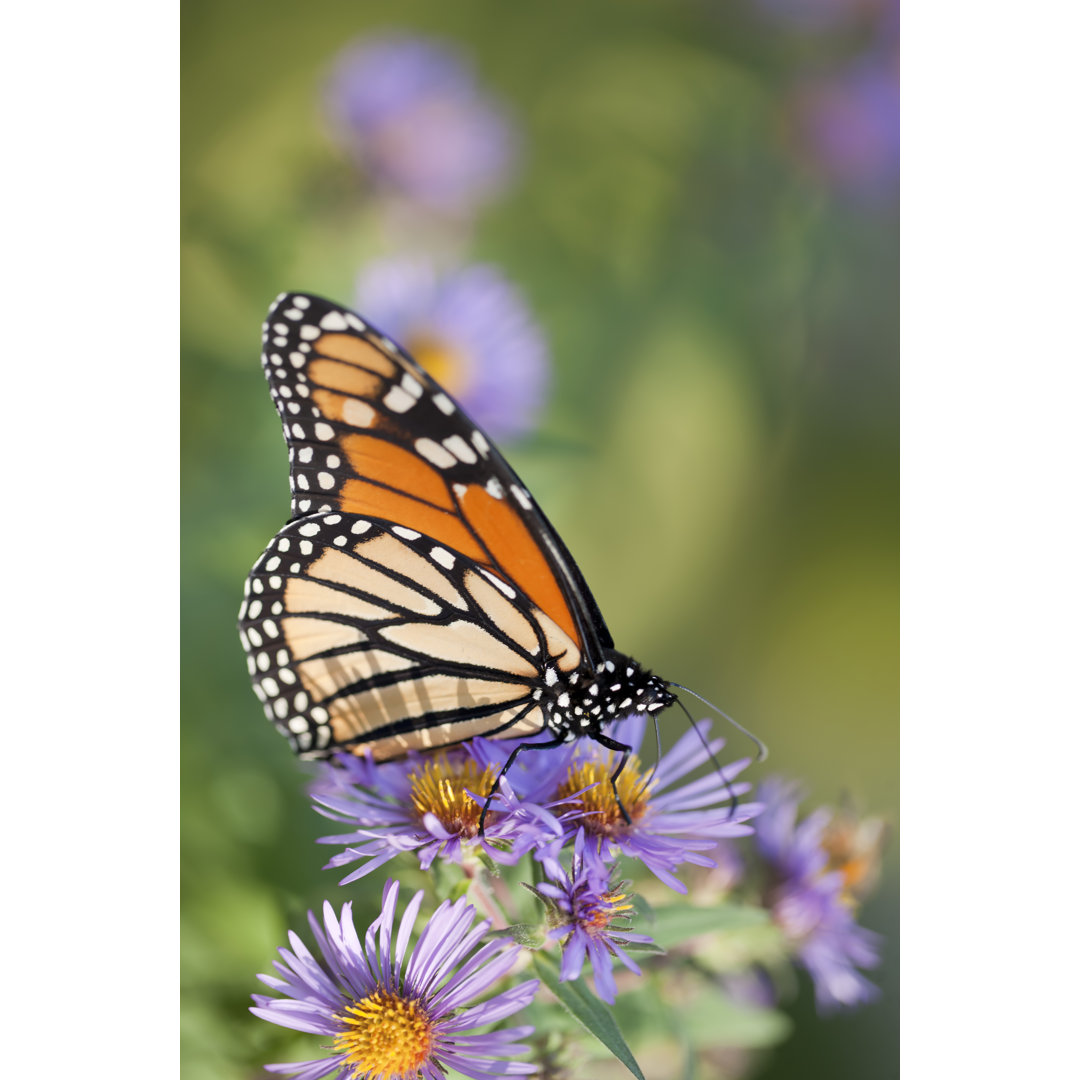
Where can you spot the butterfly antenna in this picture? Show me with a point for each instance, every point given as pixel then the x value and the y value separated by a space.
pixel 763 750
pixel 712 757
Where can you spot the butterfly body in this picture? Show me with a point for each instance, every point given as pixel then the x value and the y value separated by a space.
pixel 418 597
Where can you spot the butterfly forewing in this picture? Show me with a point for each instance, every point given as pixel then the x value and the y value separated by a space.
pixel 368 635
pixel 371 434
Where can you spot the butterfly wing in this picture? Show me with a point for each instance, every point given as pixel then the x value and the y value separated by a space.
pixel 371 434
pixel 375 637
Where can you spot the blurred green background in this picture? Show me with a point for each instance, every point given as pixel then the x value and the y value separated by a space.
pixel 720 450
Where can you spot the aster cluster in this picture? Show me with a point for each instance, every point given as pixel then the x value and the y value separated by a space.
pixel 548 870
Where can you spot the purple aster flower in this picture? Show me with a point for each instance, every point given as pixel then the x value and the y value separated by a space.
pixel 668 825
pixel 588 911
pixel 470 329
pixel 395 1019
pixel 810 900
pixel 409 111
pixel 848 127
pixel 429 804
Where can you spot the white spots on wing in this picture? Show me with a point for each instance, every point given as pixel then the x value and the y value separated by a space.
pixel 298 431
pixel 298 725
pixel 311 528
pixel 411 385
pixel 459 490
pixel 360 527
pixel 301 302
pixel 499 584
pixel 297 359
pixel 320 714
pixel 405 534
pixel 494 488
pixel 398 400
pixel 254 609
pixel 310 333
pixel 443 403
pixel 332 462
pixel 324 431
pixel 275 359
pixel 326 481
pixel 480 442
pixel 354 322
pixel 332 519
pixel 305 455
pixel 563 701
pixel 443 557
pixel 272 563
pixel 460 449
pixel 358 413
pixel 522 497
pixel 436 454
pixel 550 676
pixel 341 541
pixel 293 313
pixel 334 320
pixel 625 702
pixel 302 481
pixel 281 708
pixel 262 662
pixel 306 547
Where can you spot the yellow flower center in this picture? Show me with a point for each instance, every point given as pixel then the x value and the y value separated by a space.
pixel 601 813
pixel 441 788
pixel 384 1036
pixel 444 364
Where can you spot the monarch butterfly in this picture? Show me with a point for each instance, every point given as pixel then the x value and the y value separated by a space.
pixel 418 596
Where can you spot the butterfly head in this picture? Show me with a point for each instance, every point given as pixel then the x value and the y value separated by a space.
pixel 587 701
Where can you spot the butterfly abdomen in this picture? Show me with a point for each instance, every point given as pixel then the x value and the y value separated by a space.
pixel 585 702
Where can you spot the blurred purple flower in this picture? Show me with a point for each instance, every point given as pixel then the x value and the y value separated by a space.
pixel 820 15
pixel 397 1019
pixel 810 901
pixel 666 827
pixel 470 329
pixel 590 915
pixel 409 111
pixel 848 127
pixel 428 804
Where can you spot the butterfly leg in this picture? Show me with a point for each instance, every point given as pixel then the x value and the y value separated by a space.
pixel 611 744
pixel 506 768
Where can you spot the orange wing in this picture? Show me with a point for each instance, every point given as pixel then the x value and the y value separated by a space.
pixel 371 434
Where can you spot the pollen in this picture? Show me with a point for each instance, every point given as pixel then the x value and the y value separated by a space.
pixel 598 806
pixel 597 918
pixel 442 788
pixel 384 1035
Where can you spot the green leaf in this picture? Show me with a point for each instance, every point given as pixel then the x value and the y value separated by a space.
pixel 681 922
pixel 587 1009
pixel 532 937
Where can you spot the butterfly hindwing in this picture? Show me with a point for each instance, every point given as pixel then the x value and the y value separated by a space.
pixel 369 635
pixel 371 434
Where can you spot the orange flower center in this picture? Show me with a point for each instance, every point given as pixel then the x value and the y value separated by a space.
pixel 384 1035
